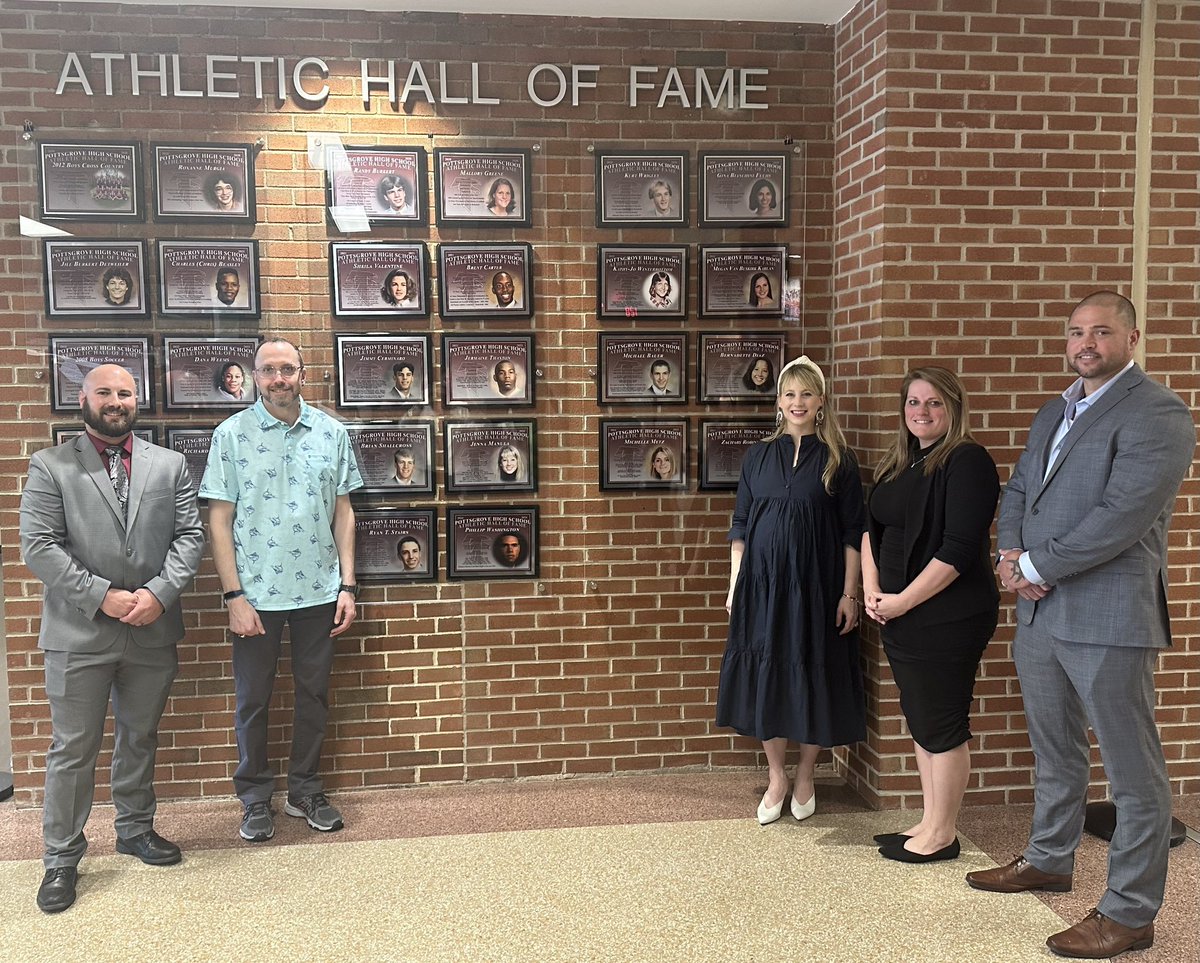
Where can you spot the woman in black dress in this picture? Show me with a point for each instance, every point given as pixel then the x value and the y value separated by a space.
pixel 927 579
pixel 791 666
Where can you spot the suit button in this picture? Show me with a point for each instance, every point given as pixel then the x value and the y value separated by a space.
pixel 1035 511
pixel 129 551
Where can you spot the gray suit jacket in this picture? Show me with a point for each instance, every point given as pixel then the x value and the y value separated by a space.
pixel 74 540
pixel 1096 528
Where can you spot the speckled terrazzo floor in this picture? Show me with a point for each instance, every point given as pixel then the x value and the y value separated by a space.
pixel 639 868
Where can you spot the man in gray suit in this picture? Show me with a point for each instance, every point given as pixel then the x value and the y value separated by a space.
pixel 1083 539
pixel 109 523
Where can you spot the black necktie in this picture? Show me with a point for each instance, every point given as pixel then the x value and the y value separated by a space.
pixel 118 476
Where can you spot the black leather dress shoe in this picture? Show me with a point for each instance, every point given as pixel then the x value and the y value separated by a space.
pixel 901 855
pixel 57 891
pixel 150 848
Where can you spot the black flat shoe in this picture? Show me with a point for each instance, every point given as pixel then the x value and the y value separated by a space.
pixel 902 855
pixel 888 839
pixel 57 891
pixel 150 848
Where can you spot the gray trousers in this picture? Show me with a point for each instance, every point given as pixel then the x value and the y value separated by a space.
pixel 78 687
pixel 1066 686
pixel 255 662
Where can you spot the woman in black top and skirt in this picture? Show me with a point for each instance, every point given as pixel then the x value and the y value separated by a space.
pixel 927 580
pixel 791 667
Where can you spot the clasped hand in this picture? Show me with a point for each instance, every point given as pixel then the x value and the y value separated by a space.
pixel 1013 579
pixel 882 606
pixel 132 608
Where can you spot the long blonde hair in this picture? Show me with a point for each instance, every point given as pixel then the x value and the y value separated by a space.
pixel 807 376
pixel 950 389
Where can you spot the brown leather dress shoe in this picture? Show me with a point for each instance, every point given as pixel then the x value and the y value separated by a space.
pixel 1019 876
pixel 1096 937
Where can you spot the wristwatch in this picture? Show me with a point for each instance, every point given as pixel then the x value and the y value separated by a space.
pixel 230 596
pixel 352 589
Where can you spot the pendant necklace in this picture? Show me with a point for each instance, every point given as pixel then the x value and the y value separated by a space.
pixel 917 461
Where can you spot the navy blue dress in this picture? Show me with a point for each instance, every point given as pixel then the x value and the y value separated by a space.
pixel 787 672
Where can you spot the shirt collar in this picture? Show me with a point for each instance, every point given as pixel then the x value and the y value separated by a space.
pixel 267 421
pixel 1074 395
pixel 100 444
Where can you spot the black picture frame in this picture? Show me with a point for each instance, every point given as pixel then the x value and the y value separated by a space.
pixel 722 444
pixel 628 183
pixel 476 539
pixel 83 180
pixel 728 368
pixel 465 182
pixel 361 179
pixel 641 281
pixel 196 278
pixel 490 456
pixel 630 446
pixel 630 368
pixel 383 544
pixel 470 286
pixel 72 356
pixel 95 279
pixel 729 274
pixel 193 443
pixel 378 449
pixel 192 181
pixel 379 279
pixel 202 372
pixel 732 182
pixel 368 375
pixel 492 370
pixel 61 434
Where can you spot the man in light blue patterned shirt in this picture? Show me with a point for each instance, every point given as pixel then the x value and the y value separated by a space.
pixel 278 481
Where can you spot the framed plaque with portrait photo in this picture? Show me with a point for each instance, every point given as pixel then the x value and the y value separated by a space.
pixel 641 188
pixel 723 445
pixel 488 370
pixel 483 187
pixel 492 542
pixel 204 182
pixel 387 183
pixel 395 544
pixel 745 281
pixel 204 278
pixel 90 181
pixel 743 189
pixel 204 372
pixel 740 367
pixel 643 454
pixel 490 456
pixel 61 434
pixel 72 356
pixel 382 370
pixel 394 457
pixel 646 368
pixel 379 280
pixel 193 444
pixel 95 279
pixel 634 281
pixel 485 281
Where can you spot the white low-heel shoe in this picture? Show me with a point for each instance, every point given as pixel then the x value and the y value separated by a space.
pixel 768 814
pixel 802 812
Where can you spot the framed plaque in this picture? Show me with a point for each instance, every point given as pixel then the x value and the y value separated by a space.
pixel 643 454
pixel 642 368
pixel 742 282
pixel 395 544
pixel 488 370
pixel 82 180
pixel 482 188
pixel 491 456
pixel 394 457
pixel 492 542
pixel 641 188
pixel 743 189
pixel 94 279
pixel 723 445
pixel 204 372
pixel 204 182
pixel 740 367
pixel 204 278
pixel 388 183
pixel 72 356
pixel 635 281
pixel 61 434
pixel 485 281
pixel 193 444
pixel 382 370
pixel 379 280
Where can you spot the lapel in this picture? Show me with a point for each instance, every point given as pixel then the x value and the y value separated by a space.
pixel 140 465
pixel 94 467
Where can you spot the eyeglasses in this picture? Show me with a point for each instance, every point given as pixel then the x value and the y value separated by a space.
pixel 270 371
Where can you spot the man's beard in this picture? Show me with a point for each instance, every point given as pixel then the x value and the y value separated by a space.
pixel 95 420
